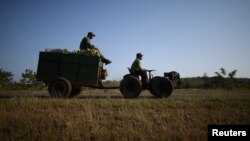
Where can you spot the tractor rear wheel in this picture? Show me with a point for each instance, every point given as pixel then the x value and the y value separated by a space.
pixel 161 87
pixel 130 87
pixel 60 88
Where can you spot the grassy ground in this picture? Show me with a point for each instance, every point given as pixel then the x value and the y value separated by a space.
pixel 117 119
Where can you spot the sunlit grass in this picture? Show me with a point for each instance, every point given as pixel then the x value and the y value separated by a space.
pixel 116 119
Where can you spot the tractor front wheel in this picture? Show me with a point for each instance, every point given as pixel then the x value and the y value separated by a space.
pixel 161 87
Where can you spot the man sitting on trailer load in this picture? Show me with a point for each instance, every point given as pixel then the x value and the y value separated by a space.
pixel 138 70
pixel 86 45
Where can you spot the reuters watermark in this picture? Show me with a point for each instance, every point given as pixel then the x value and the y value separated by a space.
pixel 236 132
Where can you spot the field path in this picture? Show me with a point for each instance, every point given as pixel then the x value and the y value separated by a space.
pixel 177 94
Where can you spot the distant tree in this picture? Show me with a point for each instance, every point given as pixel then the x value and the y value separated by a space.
pixel 232 74
pixel 205 79
pixel 232 80
pixel 204 75
pixel 6 77
pixel 29 78
pixel 218 74
pixel 219 80
pixel 185 83
pixel 223 79
pixel 222 73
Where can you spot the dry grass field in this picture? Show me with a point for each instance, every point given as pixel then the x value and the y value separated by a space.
pixel 115 118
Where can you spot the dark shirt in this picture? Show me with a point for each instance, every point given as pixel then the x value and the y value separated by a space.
pixel 136 66
pixel 85 44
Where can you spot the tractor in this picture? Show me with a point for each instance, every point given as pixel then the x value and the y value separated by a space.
pixel 131 85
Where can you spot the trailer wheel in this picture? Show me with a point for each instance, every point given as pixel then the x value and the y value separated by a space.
pixel 76 90
pixel 130 87
pixel 60 88
pixel 161 87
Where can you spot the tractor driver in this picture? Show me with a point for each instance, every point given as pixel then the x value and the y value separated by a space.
pixel 85 45
pixel 138 70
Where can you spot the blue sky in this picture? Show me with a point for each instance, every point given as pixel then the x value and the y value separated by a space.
pixel 189 36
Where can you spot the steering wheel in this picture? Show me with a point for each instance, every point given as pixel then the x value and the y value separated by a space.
pixel 149 70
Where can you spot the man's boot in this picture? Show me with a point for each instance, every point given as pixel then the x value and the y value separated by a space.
pixel 105 61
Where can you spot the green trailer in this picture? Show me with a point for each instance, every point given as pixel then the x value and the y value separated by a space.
pixel 64 74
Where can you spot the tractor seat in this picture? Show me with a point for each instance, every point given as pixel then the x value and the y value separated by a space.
pixel 130 71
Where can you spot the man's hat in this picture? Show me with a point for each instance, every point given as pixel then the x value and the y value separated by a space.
pixel 139 55
pixel 91 34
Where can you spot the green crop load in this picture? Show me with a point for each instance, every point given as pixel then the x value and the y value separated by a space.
pixel 88 52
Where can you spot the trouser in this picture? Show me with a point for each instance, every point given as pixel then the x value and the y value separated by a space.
pixel 102 58
pixel 100 54
pixel 144 76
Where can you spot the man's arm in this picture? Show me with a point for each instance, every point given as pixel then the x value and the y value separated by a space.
pixel 85 44
pixel 139 66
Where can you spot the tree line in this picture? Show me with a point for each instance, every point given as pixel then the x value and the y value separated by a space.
pixel 28 80
pixel 222 79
